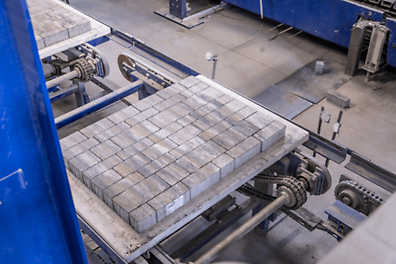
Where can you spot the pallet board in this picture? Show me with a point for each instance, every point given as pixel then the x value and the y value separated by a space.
pixel 153 157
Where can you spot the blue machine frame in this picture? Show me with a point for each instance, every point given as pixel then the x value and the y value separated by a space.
pixel 38 220
pixel 331 20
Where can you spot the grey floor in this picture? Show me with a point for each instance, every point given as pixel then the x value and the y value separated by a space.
pixel 250 63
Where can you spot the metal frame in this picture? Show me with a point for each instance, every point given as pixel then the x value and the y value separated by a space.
pixel 38 220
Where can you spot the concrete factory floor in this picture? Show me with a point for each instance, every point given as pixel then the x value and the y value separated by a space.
pixel 250 62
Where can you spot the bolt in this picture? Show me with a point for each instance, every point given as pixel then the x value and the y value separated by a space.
pixel 346 200
pixel 370 13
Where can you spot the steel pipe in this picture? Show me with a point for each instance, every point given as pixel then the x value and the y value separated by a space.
pixel 100 103
pixel 62 78
pixel 244 229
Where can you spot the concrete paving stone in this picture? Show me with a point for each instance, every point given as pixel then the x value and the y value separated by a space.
pixel 166 93
pixel 150 169
pixel 111 132
pixel 164 118
pixel 209 94
pixel 187 147
pixel 224 99
pixel 124 139
pixel 177 87
pixel 131 165
pixel 169 102
pixel 209 120
pixel 187 93
pixel 134 120
pixel 201 180
pixel 80 148
pixel 189 81
pixel 103 181
pixel 123 114
pixel 230 108
pixel 198 87
pixel 72 140
pixel 147 102
pixel 240 115
pixel 194 102
pixel 185 134
pixel 143 144
pixel 149 112
pixel 201 112
pixel 120 186
pixel 208 134
pixel 165 159
pixel 105 149
pixel 165 132
pixel 213 105
pixel 170 200
pixel 180 110
pixel 244 128
pixel 188 164
pixel 126 202
pixel 338 99
pixel 142 218
pixel 206 152
pixel 259 120
pixel 96 128
pixel 128 152
pixel 225 163
pixel 228 138
pixel 172 173
pixel 83 162
pixel 150 187
pixel 244 151
pixel 152 152
pixel 271 134
pixel 150 127
pixel 186 120
pixel 98 169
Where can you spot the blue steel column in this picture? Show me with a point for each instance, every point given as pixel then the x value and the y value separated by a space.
pixel 38 222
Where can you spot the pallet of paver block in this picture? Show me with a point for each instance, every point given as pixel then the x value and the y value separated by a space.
pixel 150 159
pixel 53 23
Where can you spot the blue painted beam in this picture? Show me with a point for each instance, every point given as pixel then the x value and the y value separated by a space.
pixel 38 222
pixel 331 20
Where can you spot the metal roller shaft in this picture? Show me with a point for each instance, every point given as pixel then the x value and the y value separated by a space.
pixel 62 78
pixel 244 229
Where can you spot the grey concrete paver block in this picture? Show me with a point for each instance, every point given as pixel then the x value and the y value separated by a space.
pixel 172 174
pixel 128 152
pixel 105 149
pixel 142 218
pixel 150 187
pixel 126 202
pixel 338 99
pixel 169 102
pixel 245 150
pixel 80 148
pixel 166 93
pixel 143 144
pixel 189 81
pixel 185 134
pixel 111 132
pixel 245 128
pixel 97 127
pixel 198 87
pixel 177 88
pixel 240 115
pixel 82 162
pixel 271 134
pixel 170 200
pixel 194 102
pixel 189 164
pixel 147 102
pixel 209 120
pixel 99 168
pixel 209 94
pixel 201 180
pixel 149 169
pixel 259 120
pixel 123 115
pixel 72 140
pixel 230 108
pixel 103 181
pixel 120 186
pixel 225 163
pixel 149 112
pixel 187 147
pixel 224 99
pixel 228 138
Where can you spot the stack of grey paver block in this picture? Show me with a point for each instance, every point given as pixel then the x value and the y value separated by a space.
pixel 153 157
pixel 338 99
pixel 53 23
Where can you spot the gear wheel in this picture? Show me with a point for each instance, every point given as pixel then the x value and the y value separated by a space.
pixel 353 195
pixel 295 189
pixel 85 69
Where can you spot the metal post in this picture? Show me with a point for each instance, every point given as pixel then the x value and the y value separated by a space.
pixel 244 229
pixel 335 132
pixel 97 104
pixel 319 125
pixel 215 59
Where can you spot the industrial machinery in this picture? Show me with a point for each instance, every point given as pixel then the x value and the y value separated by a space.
pixel 43 202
